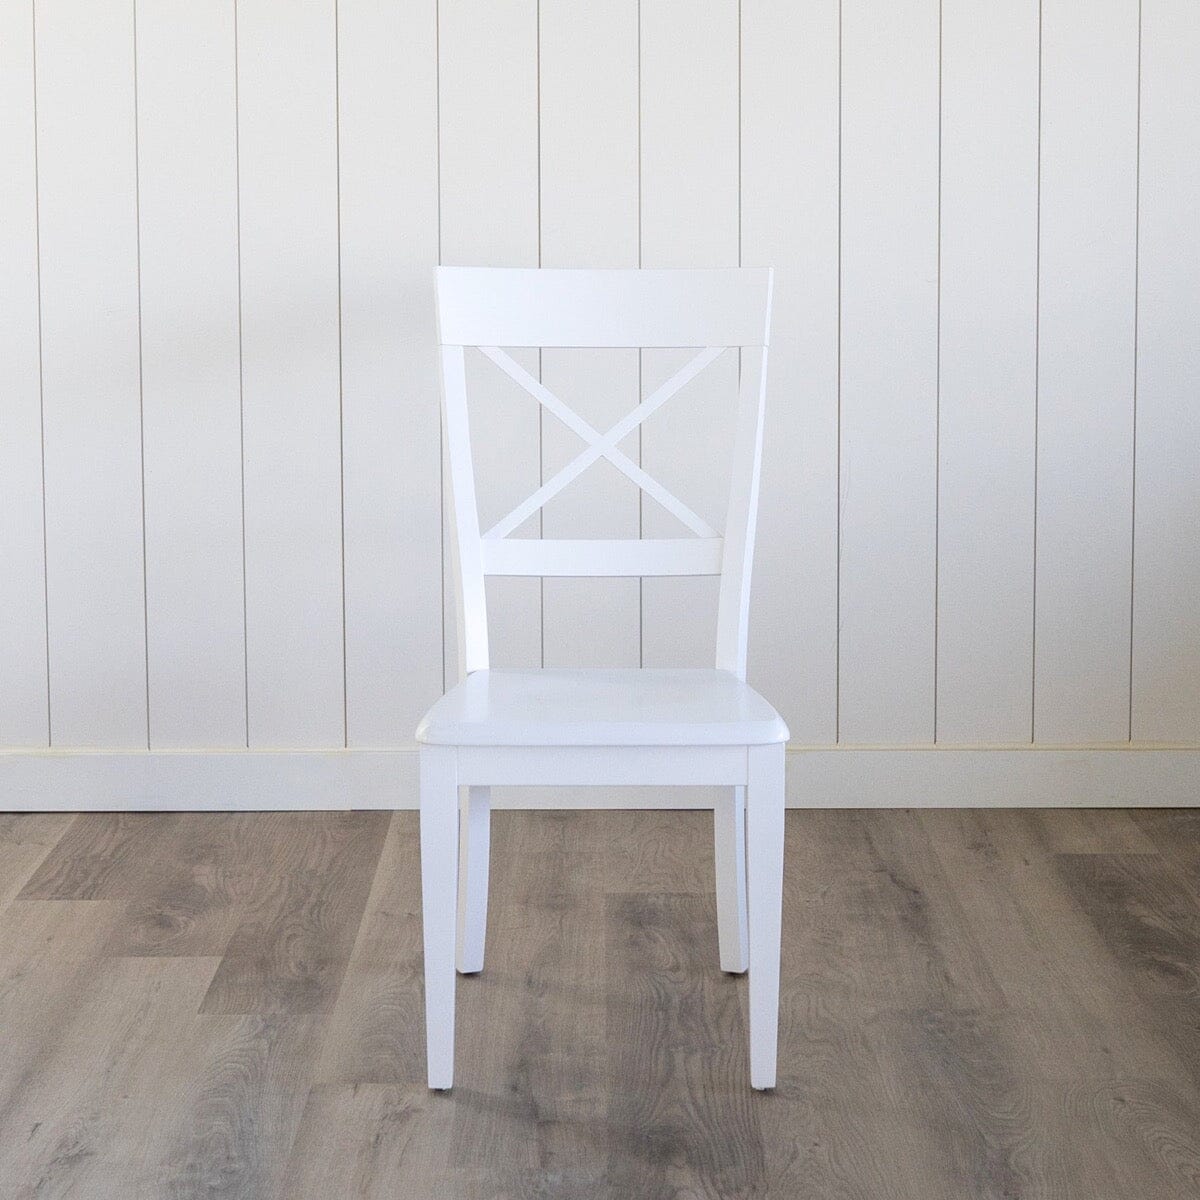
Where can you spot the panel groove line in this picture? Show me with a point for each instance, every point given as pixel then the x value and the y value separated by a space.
pixel 1037 391
pixel 341 358
pixel 237 147
pixel 137 238
pixel 1137 265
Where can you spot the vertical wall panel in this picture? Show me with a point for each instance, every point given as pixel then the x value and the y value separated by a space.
pixel 953 524
pixel 288 132
pixel 1086 368
pixel 689 219
pixel 187 156
pixel 388 148
pixel 89 271
pixel 889 366
pixel 1166 610
pixel 589 218
pixel 23 716
pixel 488 134
pixel 987 398
pixel 790 221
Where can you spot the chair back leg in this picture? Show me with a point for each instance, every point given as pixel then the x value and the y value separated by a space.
pixel 439 888
pixel 729 830
pixel 474 848
pixel 764 876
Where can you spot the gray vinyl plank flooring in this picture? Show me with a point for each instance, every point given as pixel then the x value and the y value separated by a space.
pixel 999 1004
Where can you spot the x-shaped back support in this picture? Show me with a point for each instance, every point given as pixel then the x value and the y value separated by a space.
pixel 601 445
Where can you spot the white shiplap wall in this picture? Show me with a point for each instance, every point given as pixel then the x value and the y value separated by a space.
pixel 220 471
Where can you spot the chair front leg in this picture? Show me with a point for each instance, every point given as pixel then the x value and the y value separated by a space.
pixel 764 873
pixel 729 830
pixel 439 887
pixel 474 848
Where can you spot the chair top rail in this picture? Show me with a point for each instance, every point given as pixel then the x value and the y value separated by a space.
pixel 502 306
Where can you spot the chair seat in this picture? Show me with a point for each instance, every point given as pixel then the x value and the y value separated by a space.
pixel 602 707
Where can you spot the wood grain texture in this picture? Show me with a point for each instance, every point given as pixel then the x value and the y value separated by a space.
pixel 1062 981
pixel 288 952
pixel 370 1127
pixel 72 1122
pixel 99 858
pixel 540 1026
pixel 25 842
pixel 373 1038
pixel 974 1003
pixel 228 1131
pixel 187 899
pixel 1176 835
pixel 680 1114
pixel 1148 922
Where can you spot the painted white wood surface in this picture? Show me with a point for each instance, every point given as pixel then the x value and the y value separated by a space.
pixel 1166 594
pixel 594 725
pixel 889 370
pixel 23 696
pixel 391 469
pixel 790 91
pixel 290 372
pixel 689 214
pixel 988 365
pixel 445 769
pixel 191 386
pixel 488 140
pixel 588 90
pixel 87 205
pixel 544 307
pixel 603 98
pixel 708 307
pixel 1086 370
pixel 601 706
pixel 764 887
pixel 439 886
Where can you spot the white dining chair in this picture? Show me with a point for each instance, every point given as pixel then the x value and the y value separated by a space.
pixel 603 726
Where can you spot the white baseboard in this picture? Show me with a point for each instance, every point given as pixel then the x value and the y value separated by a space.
pixel 818 777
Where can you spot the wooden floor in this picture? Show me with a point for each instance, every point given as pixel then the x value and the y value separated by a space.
pixel 975 1004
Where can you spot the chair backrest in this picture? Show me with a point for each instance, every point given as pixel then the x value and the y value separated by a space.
pixel 711 311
